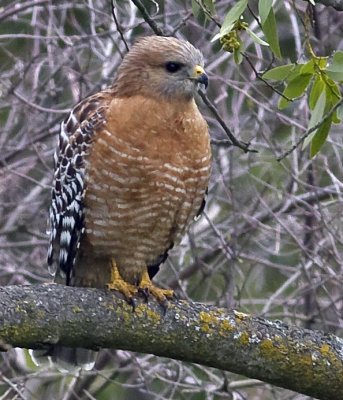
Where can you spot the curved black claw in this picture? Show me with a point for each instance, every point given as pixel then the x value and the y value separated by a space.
pixel 175 296
pixel 164 304
pixel 145 292
pixel 132 301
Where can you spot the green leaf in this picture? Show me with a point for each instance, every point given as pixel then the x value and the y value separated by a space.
pixel 237 53
pixel 295 88
pixel 196 9
pixel 335 75
pixel 333 93
pixel 279 73
pixel 283 103
pixel 209 5
pixel 317 88
pixel 264 7
pixel 339 112
pixel 307 68
pixel 337 59
pixel 216 37
pixel 232 16
pixel 296 71
pixel 270 31
pixel 237 56
pixel 316 116
pixel 320 137
pixel 321 62
pixel 199 8
pixel 335 118
pixel 335 70
pixel 318 111
pixel 333 96
pixel 255 38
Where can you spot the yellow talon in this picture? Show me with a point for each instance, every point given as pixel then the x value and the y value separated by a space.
pixel 161 295
pixel 129 291
pixel 118 283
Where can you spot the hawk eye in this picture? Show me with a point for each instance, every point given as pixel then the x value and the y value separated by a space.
pixel 173 66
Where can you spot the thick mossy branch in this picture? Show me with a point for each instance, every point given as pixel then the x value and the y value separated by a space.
pixel 305 361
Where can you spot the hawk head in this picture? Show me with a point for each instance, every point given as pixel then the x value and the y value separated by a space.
pixel 162 67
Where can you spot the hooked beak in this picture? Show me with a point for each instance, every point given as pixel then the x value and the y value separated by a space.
pixel 199 75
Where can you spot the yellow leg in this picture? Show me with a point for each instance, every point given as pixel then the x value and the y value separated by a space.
pixel 118 283
pixel 160 294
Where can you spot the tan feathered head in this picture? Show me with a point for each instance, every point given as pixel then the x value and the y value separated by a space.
pixel 161 67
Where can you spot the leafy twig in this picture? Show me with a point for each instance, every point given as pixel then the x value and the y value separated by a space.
pixel 309 131
pixel 208 13
pixel 258 76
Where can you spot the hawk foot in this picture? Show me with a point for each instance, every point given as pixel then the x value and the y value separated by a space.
pixel 147 288
pixel 118 283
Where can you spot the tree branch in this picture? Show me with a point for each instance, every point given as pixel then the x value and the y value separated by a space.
pixel 305 361
pixel 337 4
pixel 233 140
pixel 158 31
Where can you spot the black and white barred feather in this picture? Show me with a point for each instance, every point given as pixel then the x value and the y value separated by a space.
pixel 66 214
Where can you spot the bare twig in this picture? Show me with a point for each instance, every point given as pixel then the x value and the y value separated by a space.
pixel 16 8
pixel 148 18
pixel 37 106
pixel 115 19
pixel 234 141
pixel 181 23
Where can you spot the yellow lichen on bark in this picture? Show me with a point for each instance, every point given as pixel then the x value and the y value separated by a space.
pixel 225 327
pixel 244 338
pixel 329 356
pixel 207 322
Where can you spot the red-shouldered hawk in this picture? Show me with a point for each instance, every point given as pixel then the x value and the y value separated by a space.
pixel 131 170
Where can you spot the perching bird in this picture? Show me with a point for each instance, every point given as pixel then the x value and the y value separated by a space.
pixel 131 171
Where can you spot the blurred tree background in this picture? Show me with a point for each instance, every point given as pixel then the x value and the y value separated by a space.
pixel 270 241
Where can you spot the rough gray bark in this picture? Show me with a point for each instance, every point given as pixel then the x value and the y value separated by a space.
pixel 305 361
